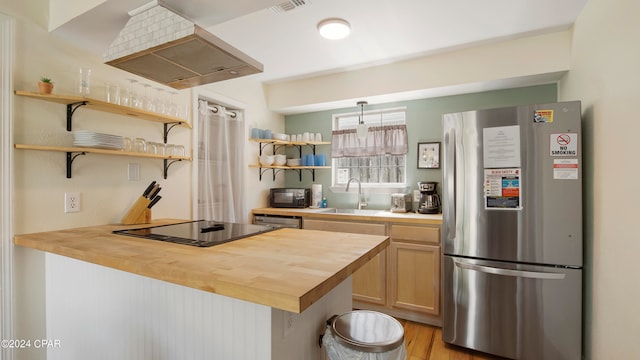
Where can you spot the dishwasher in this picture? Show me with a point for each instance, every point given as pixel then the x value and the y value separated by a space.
pixel 278 221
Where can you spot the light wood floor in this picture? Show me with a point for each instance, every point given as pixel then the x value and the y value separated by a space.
pixel 424 342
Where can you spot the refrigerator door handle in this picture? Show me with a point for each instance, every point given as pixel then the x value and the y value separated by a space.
pixel 449 195
pixel 509 272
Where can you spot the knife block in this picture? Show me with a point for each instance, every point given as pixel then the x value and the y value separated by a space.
pixel 139 213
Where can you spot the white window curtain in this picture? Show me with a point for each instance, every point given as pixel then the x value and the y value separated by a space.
pixel 220 159
pixel 380 140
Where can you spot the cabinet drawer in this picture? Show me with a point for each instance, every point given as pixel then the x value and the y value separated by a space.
pixel 344 226
pixel 415 233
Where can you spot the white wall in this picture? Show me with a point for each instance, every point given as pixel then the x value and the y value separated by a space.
pixel 605 75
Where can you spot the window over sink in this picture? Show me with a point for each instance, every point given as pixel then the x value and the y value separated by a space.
pixel 377 160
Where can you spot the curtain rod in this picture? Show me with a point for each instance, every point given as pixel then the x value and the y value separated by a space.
pixel 215 110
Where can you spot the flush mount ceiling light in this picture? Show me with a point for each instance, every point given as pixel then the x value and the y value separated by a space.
pixel 334 28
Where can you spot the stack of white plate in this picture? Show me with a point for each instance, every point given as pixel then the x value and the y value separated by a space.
pixel 97 140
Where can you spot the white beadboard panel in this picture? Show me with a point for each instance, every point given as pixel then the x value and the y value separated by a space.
pixel 300 342
pixel 102 313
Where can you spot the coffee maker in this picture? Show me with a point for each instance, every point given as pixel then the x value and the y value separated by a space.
pixel 429 198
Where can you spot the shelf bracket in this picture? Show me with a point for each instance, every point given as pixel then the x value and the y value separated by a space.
pixel 313 174
pixel 168 163
pixel 70 158
pixel 71 108
pixel 168 128
pixel 264 145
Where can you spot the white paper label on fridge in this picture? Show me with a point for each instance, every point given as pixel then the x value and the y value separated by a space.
pixel 564 144
pixel 501 146
pixel 502 189
pixel 565 169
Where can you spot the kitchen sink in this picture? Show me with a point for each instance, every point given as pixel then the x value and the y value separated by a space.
pixel 355 211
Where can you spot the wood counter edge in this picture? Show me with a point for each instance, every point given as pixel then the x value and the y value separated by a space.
pixel 295 304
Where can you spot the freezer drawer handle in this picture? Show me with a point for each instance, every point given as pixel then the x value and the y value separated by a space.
pixel 509 272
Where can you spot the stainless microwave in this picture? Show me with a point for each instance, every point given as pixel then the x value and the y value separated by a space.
pixel 289 197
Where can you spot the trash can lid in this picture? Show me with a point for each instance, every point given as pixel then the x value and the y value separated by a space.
pixel 368 331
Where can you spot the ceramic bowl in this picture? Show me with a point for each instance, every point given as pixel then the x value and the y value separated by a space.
pixel 281 137
pixel 280 159
pixel 266 160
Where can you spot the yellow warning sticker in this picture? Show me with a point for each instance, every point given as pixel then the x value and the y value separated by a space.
pixel 543 116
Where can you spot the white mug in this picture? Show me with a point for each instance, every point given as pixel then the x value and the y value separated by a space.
pixel 305 136
pixel 318 137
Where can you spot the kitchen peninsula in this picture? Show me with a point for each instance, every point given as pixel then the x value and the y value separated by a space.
pixel 262 297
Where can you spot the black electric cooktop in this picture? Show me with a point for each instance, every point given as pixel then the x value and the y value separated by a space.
pixel 201 233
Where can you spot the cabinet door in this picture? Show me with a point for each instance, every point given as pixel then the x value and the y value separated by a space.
pixel 414 277
pixel 368 281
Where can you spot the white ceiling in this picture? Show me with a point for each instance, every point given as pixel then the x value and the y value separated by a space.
pixel 382 31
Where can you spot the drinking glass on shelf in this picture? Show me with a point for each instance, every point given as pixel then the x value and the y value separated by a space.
pixel 152 148
pixel 148 103
pixel 140 145
pixel 139 103
pixel 128 144
pixel 84 81
pixel 169 149
pixel 159 101
pixel 179 150
pixel 161 148
pixel 174 109
pixel 133 95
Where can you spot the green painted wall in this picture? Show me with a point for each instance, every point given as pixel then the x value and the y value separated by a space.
pixel 424 125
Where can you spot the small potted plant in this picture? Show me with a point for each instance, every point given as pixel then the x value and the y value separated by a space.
pixel 45 85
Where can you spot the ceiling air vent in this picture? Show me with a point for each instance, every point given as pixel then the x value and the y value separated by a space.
pixel 289 5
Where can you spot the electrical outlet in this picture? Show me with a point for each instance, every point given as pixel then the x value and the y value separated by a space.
pixel 289 322
pixel 71 202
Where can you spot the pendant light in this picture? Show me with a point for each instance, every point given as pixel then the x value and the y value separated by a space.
pixel 362 129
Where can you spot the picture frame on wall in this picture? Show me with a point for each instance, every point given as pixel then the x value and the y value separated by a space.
pixel 429 155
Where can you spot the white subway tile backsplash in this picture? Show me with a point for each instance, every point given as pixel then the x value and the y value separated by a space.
pixel 148 29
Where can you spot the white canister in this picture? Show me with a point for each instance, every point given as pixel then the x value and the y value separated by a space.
pixel 316 195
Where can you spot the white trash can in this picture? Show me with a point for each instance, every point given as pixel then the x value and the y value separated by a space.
pixel 364 335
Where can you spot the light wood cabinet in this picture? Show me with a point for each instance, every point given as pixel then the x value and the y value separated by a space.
pixel 404 280
pixel 414 268
pixel 369 282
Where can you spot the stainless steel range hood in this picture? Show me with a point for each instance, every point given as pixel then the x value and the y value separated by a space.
pixel 160 45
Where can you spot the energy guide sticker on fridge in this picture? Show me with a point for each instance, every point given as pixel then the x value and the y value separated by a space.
pixel 502 189
pixel 565 169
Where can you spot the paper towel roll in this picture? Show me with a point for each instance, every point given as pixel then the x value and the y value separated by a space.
pixel 316 195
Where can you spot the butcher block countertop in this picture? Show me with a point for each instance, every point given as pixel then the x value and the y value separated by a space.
pixel 288 269
pixel 367 215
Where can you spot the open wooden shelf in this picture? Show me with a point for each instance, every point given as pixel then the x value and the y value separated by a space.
pixel 89 150
pixel 290 143
pixel 106 107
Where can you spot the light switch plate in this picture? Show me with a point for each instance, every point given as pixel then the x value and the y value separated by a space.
pixel 133 173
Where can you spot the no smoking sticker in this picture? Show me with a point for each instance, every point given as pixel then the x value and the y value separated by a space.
pixel 564 144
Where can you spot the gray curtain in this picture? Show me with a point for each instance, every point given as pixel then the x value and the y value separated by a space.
pixel 380 140
pixel 220 170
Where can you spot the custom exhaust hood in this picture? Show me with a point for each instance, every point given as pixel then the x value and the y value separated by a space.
pixel 160 45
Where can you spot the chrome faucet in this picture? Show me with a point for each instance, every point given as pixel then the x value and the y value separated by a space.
pixel 361 203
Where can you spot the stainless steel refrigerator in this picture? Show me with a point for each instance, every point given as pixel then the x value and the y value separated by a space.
pixel 512 231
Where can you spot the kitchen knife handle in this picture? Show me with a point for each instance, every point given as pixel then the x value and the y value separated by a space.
pixel 148 189
pixel 154 201
pixel 509 272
